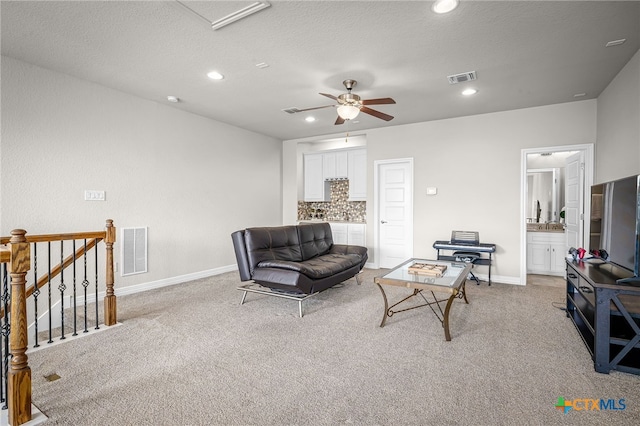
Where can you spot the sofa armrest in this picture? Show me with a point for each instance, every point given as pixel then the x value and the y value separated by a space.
pixel 240 249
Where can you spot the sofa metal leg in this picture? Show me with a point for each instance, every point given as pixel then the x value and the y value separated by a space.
pixel 358 279
pixel 256 288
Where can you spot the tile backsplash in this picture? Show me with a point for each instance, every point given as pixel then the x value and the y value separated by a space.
pixel 339 208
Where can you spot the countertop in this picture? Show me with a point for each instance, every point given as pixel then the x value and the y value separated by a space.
pixel 545 227
pixel 331 221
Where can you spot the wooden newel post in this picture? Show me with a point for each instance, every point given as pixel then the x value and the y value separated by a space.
pixel 19 375
pixel 110 315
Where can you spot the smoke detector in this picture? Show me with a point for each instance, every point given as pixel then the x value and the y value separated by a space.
pixel 462 77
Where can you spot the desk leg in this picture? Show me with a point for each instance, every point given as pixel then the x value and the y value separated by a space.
pixel 386 305
pixel 490 262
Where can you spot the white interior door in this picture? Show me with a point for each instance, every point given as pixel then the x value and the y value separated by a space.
pixel 574 199
pixel 394 214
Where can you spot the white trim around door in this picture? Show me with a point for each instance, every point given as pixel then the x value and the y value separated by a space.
pixel 588 150
pixel 407 221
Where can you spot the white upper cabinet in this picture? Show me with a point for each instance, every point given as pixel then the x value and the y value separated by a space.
pixel 357 174
pixel 313 178
pixel 334 165
pixel 321 166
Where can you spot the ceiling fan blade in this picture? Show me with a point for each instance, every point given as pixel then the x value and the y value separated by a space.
pixel 339 120
pixel 375 113
pixel 311 109
pixel 379 101
pixel 329 96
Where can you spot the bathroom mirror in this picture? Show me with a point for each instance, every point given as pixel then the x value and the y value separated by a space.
pixel 543 195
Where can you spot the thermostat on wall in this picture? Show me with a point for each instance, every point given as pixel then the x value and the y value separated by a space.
pixel 432 190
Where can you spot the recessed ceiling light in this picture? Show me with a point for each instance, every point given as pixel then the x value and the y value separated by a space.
pixel 444 6
pixel 615 42
pixel 579 95
pixel 173 99
pixel 469 92
pixel 310 119
pixel 262 65
pixel 215 75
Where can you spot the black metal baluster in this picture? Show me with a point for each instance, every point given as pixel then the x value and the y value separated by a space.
pixel 95 249
pixel 49 287
pixel 85 284
pixel 6 328
pixel 36 293
pixel 61 288
pixel 75 307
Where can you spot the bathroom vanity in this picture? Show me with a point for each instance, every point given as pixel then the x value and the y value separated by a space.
pixel 546 250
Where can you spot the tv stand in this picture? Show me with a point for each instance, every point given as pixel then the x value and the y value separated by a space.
pixel 606 314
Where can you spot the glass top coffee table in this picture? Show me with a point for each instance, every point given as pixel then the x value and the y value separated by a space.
pixel 423 277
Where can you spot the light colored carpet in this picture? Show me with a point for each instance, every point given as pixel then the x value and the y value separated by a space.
pixel 190 354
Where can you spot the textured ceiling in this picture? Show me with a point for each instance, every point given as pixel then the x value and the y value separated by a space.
pixel 525 53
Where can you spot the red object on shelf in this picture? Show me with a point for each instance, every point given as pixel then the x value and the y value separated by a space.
pixel 581 252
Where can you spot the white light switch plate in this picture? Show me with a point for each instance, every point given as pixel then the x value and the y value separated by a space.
pixel 90 195
pixel 432 190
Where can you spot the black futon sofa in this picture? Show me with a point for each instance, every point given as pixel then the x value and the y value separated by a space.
pixel 296 259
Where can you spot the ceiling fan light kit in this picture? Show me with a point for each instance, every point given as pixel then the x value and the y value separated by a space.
pixel 350 105
pixel 348 112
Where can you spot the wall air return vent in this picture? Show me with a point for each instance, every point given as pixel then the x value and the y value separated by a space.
pixel 462 77
pixel 134 251
pixel 291 110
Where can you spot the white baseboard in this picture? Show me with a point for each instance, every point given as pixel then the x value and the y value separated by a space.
pixel 172 281
pixel 498 279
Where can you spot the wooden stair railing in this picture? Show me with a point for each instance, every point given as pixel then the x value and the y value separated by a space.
pixel 18 256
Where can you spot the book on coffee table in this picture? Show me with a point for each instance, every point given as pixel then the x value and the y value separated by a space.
pixel 427 269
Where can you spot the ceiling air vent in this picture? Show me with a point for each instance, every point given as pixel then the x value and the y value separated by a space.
pixel 291 110
pixel 462 77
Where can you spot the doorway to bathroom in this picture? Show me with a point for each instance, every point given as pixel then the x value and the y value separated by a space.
pixel 555 184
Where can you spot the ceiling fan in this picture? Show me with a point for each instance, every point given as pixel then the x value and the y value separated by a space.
pixel 350 105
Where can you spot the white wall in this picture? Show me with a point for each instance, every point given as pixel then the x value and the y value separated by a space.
pixel 618 148
pixel 190 179
pixel 475 164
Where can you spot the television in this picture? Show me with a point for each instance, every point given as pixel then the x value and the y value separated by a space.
pixel 615 224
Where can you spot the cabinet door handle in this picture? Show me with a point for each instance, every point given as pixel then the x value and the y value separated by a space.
pixel 586 289
pixel 383 221
pixel 572 275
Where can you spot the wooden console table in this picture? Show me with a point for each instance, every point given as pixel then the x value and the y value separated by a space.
pixel 606 314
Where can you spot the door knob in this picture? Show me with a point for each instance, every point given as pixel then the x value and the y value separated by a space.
pixel 383 221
